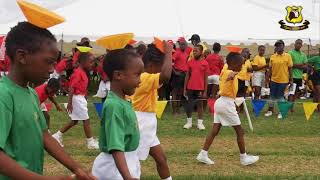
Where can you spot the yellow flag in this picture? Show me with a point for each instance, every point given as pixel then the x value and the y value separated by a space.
pixel 161 105
pixel 309 109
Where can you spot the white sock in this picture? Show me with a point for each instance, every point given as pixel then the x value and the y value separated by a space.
pixel 189 120
pixel 200 121
pixel 243 155
pixel 204 152
pixel 59 133
pixel 168 178
pixel 90 139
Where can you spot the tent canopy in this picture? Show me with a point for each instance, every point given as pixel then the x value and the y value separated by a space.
pixel 225 21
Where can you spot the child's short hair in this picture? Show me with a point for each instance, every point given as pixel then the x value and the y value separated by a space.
pixel 199 46
pixel 54 83
pixel 141 49
pixel 232 57
pixel 216 47
pixel 83 57
pixel 278 43
pixel 152 55
pixel 261 46
pixel 26 36
pixel 117 60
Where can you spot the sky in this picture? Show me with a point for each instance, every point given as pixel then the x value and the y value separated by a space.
pixel 228 20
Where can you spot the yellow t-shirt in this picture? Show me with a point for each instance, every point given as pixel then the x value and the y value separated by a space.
pixel 228 88
pixel 280 65
pixel 260 62
pixel 205 48
pixel 146 95
pixel 244 75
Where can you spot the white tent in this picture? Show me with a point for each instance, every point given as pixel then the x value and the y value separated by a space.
pixel 232 21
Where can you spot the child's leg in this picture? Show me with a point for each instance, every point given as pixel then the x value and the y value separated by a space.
pixel 175 103
pixel 215 89
pixel 68 126
pixel 160 158
pixel 200 109
pixel 212 134
pixel 47 116
pixel 240 138
pixel 257 92
pixel 87 129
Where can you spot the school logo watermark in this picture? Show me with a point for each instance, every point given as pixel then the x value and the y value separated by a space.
pixel 294 20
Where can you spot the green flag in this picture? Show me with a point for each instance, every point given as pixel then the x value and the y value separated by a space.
pixel 284 107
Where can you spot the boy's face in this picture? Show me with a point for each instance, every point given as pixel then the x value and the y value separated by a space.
pixel 298 45
pixel 197 52
pixel 89 64
pixel 280 48
pixel 182 45
pixel 130 77
pixel 261 51
pixel 236 65
pixel 37 67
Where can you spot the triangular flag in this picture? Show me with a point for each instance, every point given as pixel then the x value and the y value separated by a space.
pixel 234 48
pixel 98 107
pixel 284 107
pixel 211 102
pixel 309 109
pixel 239 100
pixel 160 106
pixel 258 105
pixel 116 41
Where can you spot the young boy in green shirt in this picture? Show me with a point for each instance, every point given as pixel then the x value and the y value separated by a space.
pixel 119 134
pixel 24 135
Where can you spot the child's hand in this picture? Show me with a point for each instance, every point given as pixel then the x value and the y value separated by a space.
pixel 185 94
pixel 231 76
pixel 59 108
pixel 70 107
pixel 204 95
pixel 167 48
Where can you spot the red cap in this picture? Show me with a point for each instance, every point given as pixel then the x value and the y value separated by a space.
pixel 181 39
pixel 170 42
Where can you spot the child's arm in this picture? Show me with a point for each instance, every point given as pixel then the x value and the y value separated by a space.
pixel 121 164
pixel 70 107
pixel 55 103
pixel 12 169
pixel 204 95
pixel 166 69
pixel 186 80
pixel 56 151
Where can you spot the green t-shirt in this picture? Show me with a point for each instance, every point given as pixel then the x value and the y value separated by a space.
pixel 21 126
pixel 119 126
pixel 315 61
pixel 298 57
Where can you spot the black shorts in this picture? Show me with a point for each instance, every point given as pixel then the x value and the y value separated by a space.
pixel 193 98
pixel 298 82
pixel 315 77
pixel 178 78
pixel 241 88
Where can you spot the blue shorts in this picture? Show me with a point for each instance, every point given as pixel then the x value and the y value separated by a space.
pixel 277 90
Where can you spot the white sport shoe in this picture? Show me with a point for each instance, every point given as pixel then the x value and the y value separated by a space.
pixel 204 159
pixel 200 125
pixel 58 137
pixel 279 116
pixel 92 143
pixel 248 159
pixel 188 125
pixel 268 114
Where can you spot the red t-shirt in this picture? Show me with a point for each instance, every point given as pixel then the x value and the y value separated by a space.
pixel 216 63
pixel 41 92
pixel 197 69
pixel 79 81
pixel 75 57
pixel 180 59
pixel 61 66
pixel 188 50
pixel 100 70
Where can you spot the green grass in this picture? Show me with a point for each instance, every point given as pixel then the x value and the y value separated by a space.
pixel 288 149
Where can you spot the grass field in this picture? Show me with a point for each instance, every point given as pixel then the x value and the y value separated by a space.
pixel 288 149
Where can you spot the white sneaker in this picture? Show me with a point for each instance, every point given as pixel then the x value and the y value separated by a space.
pixel 200 125
pixel 279 116
pixel 248 159
pixel 92 143
pixel 58 137
pixel 188 125
pixel 268 114
pixel 204 159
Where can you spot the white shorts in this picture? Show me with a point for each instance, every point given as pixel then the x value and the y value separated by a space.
pixel 247 83
pixel 225 112
pixel 148 133
pixel 3 73
pixel 43 107
pixel 103 88
pixel 104 166
pixel 265 91
pixel 80 108
pixel 213 79
pixel 258 79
